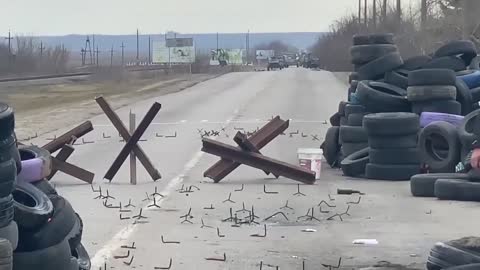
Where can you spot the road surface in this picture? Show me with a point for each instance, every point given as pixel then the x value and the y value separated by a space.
pixel 405 227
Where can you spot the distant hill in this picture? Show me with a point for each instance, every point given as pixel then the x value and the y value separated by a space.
pixel 203 42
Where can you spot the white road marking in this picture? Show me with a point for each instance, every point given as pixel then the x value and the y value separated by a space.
pixel 106 252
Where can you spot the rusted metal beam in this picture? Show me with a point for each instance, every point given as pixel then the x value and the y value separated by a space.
pixel 66 138
pixel 132 142
pixel 122 130
pixel 63 155
pixel 258 161
pixel 73 170
pixel 246 145
pixel 261 138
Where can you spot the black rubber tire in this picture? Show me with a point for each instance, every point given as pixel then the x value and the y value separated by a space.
pixel 457 252
pixel 391 172
pixel 341 108
pixel 415 62
pixel 32 207
pixel 447 133
pixel 390 142
pixel 350 148
pixel 388 124
pixel 10 232
pixel 395 156
pixel 395 78
pixel 464 97
pixel 343 121
pixel 363 54
pixel 434 263
pixel 440 106
pixel 424 77
pixel 8 177
pixel 475 94
pixel 75 235
pixel 6 253
pixel 355 119
pixel 54 257
pixel 55 231
pixel 45 187
pixel 6 210
pixel 377 68
pixel 448 62
pixel 465 130
pixel 81 254
pixel 465 48
pixel 376 100
pixel 458 190
pixel 335 119
pixel 349 134
pixel 351 108
pixel 30 152
pixel 423 185
pixel 431 92
pixel 373 39
pixel 475 63
pixel 388 88
pixel 354 164
pixel 331 146
pixel 473 266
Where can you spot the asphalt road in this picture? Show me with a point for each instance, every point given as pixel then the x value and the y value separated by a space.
pixel 405 227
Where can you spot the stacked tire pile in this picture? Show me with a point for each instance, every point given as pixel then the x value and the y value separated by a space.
pixel 41 227
pixel 460 254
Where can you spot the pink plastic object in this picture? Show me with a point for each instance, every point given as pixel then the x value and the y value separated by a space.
pixel 430 117
pixel 33 170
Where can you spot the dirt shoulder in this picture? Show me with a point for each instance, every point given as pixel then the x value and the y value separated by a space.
pixel 45 106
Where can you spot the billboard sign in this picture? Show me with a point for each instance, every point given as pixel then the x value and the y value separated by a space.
pixel 227 56
pixel 264 54
pixel 235 56
pixel 162 53
pixel 180 42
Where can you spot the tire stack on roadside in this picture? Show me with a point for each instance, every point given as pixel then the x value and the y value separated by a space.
pixel 45 232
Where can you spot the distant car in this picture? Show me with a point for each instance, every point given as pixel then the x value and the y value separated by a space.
pixel 273 63
pixel 315 62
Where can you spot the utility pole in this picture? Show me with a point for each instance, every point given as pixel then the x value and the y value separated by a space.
pixel 9 38
pixel 93 45
pixel 111 57
pixel 138 48
pixel 83 52
pixel 423 16
pixel 97 52
pixel 149 49
pixel 399 10
pixel 359 11
pixel 374 13
pixel 246 44
pixel 217 42
pixel 365 12
pixel 41 49
pixel 123 54
pixel 384 10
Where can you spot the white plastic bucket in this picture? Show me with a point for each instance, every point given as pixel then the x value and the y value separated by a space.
pixel 311 159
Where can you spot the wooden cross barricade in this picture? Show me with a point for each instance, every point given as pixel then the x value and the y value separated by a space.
pixel 248 153
pixel 130 139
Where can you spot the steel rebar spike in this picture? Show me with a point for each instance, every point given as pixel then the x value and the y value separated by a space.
pixel 217 259
pixel 243 209
pixel 286 206
pixel 93 189
pixel 268 192
pixel 229 198
pixel 86 142
pixel 129 247
pixel 186 220
pixel 188 215
pixel 205 226
pixel 241 189
pixel 181 189
pixel 277 213
pixel 110 206
pixel 122 256
pixel 169 242
pixel 357 202
pixel 298 193
pixel 322 211
pixel 330 198
pixel 158 135
pixel 209 208
pixel 123 218
pixel 100 195
pixel 108 196
pixel 105 136
pixel 140 216
pixel 154 203
pixel 172 136
pixel 307 215
pixel 230 218
pixel 264 233
pixel 147 198
pixel 166 268
pixel 304 135
pixel 105 203
pixel 219 234
pixel 333 266
pixel 129 262
pixel 129 204
pixel 156 193
pixel 197 188
pixel 324 202
pixel 336 215
pixel 315 138
pixel 346 212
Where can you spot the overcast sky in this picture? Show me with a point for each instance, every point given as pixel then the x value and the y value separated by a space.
pixel 59 17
